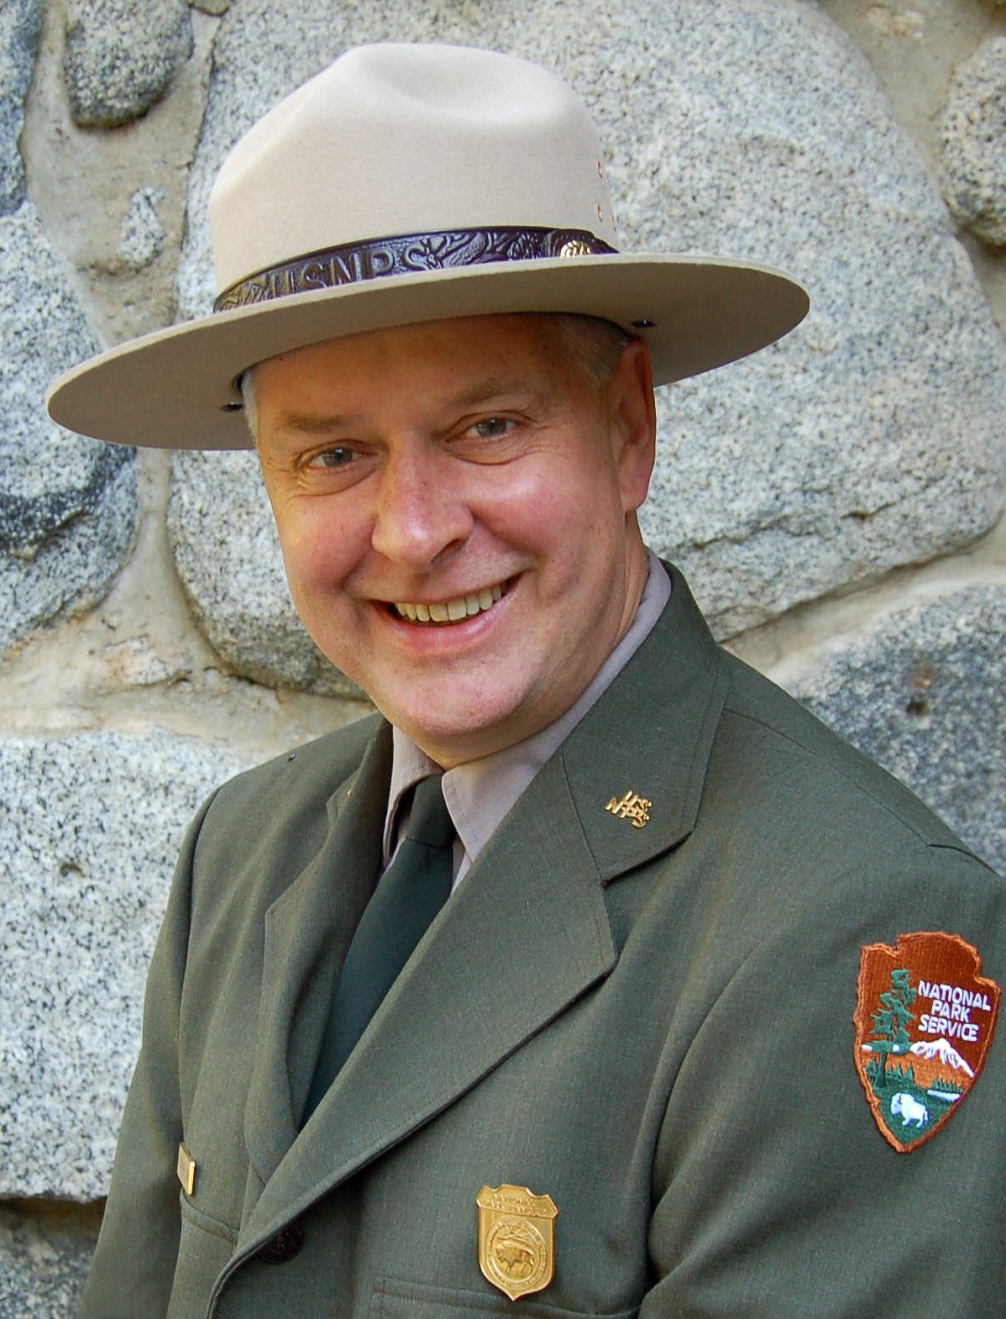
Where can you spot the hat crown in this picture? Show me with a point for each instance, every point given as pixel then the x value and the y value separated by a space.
pixel 407 139
pixel 405 184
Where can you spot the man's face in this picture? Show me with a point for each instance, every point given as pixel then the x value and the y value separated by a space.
pixel 456 505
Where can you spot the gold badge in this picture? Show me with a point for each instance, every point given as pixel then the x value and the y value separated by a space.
pixel 516 1239
pixel 631 807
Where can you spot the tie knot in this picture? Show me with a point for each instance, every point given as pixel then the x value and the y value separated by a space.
pixel 430 821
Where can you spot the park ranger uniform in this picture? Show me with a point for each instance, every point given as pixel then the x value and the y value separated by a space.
pixel 636 1008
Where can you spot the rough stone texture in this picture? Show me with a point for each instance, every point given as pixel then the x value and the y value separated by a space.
pixel 120 57
pixel 924 693
pixel 103 197
pixel 973 143
pixel 142 231
pixel 44 1259
pixel 228 557
pixel 872 436
pixel 20 25
pixel 67 505
pixel 90 827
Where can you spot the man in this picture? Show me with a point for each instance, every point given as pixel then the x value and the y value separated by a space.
pixel 613 1072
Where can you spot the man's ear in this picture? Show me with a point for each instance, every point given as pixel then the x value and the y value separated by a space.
pixel 634 423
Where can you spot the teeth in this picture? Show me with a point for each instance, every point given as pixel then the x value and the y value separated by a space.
pixel 451 611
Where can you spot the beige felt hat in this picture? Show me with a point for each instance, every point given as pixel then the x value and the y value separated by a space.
pixel 411 183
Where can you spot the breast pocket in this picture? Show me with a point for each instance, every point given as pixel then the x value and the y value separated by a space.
pixel 205 1248
pixel 394 1299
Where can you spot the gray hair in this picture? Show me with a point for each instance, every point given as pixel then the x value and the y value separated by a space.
pixel 593 345
pixel 247 386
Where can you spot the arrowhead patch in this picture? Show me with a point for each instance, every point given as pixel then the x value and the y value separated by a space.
pixel 925 1017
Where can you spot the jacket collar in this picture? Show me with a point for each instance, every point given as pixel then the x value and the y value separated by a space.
pixel 649 736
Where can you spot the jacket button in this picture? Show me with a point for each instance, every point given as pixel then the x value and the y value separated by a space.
pixel 284 1246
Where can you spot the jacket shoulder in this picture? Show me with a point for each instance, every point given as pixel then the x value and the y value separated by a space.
pixel 284 803
pixel 262 828
pixel 768 716
pixel 316 767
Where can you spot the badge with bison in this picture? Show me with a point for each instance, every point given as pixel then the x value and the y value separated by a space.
pixel 925 1018
pixel 516 1239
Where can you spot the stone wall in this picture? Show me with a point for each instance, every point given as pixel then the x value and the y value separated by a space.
pixel 837 501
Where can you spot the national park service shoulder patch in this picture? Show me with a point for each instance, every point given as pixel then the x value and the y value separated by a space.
pixel 925 1017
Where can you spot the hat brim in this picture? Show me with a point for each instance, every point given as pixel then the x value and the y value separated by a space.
pixel 175 388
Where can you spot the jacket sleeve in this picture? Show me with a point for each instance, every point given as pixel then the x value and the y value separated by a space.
pixel 134 1263
pixel 775 1195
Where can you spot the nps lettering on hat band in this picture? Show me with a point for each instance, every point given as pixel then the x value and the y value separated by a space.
pixel 408 254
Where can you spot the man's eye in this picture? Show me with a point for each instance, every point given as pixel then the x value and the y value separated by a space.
pixel 337 457
pixel 491 428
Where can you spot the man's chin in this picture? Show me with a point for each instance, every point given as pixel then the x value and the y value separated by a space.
pixel 452 735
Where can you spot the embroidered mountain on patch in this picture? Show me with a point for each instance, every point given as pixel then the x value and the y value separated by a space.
pixel 925 1018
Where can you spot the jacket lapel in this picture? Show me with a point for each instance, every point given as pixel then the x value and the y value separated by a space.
pixel 533 902
pixel 307 932
pixel 528 927
pixel 650 736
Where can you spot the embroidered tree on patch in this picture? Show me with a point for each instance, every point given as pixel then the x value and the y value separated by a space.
pixel 890 1023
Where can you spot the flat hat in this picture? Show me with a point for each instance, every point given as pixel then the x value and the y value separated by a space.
pixel 410 183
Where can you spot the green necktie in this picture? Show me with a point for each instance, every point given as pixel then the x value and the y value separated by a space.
pixel 407 897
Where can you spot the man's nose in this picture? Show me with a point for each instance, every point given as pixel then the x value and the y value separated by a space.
pixel 421 513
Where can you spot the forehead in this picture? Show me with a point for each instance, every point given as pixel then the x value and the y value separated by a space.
pixel 481 353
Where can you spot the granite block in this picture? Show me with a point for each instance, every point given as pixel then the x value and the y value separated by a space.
pixel 20 27
pixel 120 57
pixel 924 693
pixel 90 827
pixel 67 504
pixel 972 138
pixel 45 1252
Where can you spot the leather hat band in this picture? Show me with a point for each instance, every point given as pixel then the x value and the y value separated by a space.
pixel 408 254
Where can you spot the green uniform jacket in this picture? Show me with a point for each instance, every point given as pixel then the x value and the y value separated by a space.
pixel 652 1025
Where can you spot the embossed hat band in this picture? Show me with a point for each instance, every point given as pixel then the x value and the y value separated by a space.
pixel 407 254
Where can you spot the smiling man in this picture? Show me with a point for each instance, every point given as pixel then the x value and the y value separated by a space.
pixel 456 504
pixel 589 976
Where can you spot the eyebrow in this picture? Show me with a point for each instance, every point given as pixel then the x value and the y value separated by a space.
pixel 492 387
pixel 311 423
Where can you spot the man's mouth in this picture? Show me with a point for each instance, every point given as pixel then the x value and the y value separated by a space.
pixel 451 611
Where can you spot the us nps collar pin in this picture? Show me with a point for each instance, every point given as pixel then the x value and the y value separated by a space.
pixel 516 1239
pixel 632 807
